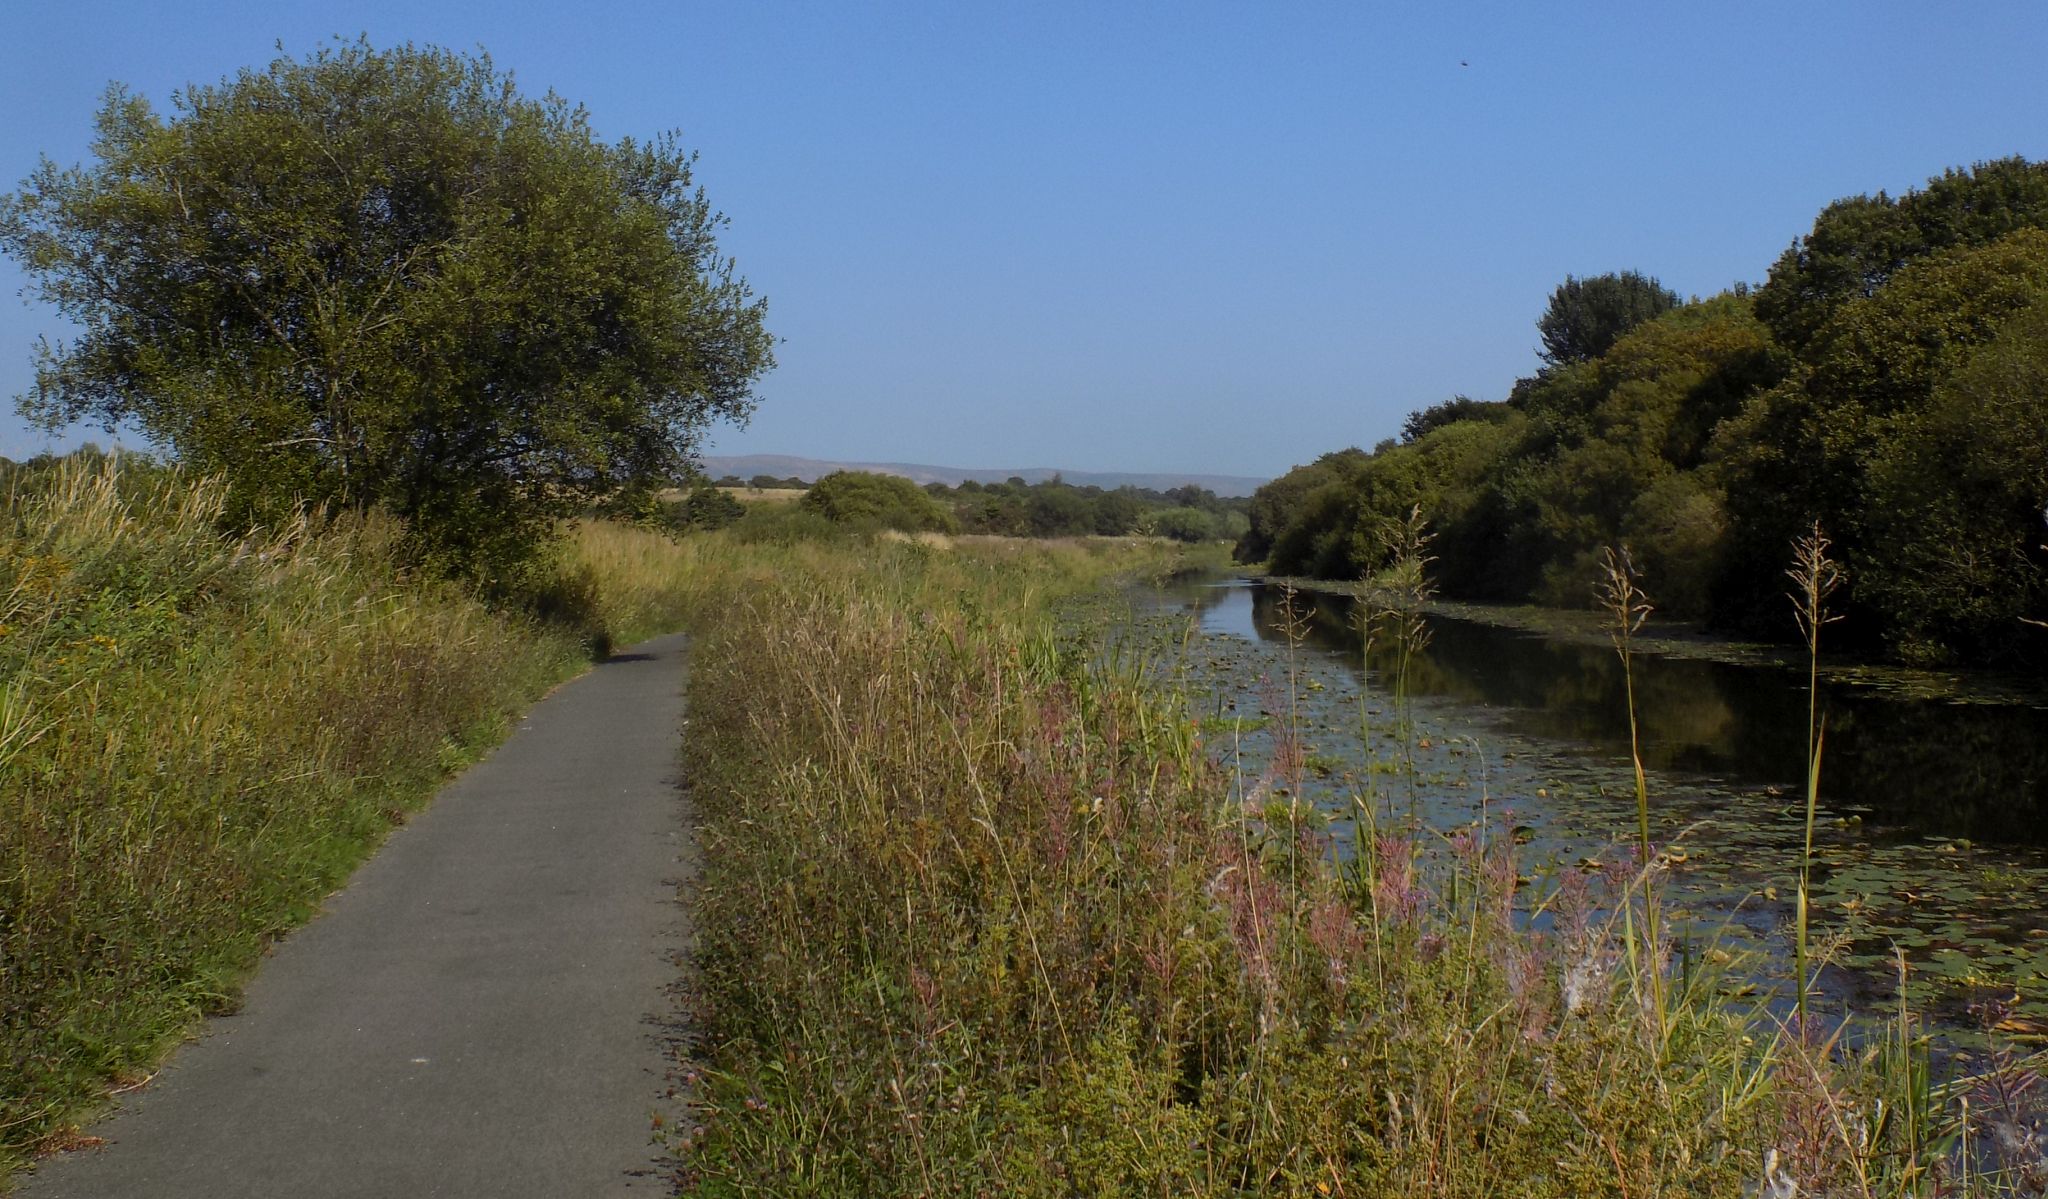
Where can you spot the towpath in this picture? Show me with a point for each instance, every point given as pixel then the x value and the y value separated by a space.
pixel 482 1011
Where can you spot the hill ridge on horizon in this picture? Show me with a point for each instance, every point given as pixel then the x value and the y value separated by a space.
pixel 811 469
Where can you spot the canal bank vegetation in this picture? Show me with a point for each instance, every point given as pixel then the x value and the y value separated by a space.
pixel 404 329
pixel 1889 379
pixel 1014 508
pixel 980 915
pixel 201 734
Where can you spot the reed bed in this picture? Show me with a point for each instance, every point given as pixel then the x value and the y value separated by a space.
pixel 980 917
pixel 201 735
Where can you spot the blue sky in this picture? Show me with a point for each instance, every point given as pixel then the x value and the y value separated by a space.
pixel 1200 237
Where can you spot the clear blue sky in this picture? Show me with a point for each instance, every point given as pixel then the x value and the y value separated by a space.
pixel 1172 236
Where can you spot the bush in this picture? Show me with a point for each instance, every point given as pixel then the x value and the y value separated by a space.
pixel 1184 524
pixel 707 507
pixel 883 501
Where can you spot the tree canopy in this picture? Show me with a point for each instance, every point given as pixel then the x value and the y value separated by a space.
pixel 1586 316
pixel 1858 242
pixel 1014 508
pixel 1887 381
pixel 386 278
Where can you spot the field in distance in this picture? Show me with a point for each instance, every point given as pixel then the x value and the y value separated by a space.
pixel 765 495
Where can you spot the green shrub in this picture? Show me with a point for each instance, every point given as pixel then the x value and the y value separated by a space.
pixel 1184 524
pixel 850 497
pixel 705 508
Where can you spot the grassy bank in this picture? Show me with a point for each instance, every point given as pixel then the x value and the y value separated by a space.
pixel 979 917
pixel 200 737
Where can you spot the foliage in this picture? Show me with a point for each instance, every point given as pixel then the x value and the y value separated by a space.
pixel 885 501
pixel 1859 242
pixel 1878 384
pixel 1586 316
pixel 1883 354
pixel 784 524
pixel 980 917
pixel 1805 450
pixel 1278 505
pixel 1055 508
pixel 386 279
pixel 1055 511
pixel 1451 411
pixel 1191 525
pixel 1524 494
pixel 1958 497
pixel 707 507
pixel 201 736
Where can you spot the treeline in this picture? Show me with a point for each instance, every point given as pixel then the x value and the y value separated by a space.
pixel 1012 508
pixel 1889 380
pixel 1054 508
pixel 762 482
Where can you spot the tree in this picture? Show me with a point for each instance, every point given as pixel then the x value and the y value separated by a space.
pixel 1586 316
pixel 890 501
pixel 707 507
pixel 1117 512
pixel 1183 523
pixel 1858 243
pixel 1884 354
pixel 1953 561
pixel 1282 503
pixel 1057 510
pixel 1805 449
pixel 385 278
pixel 1420 423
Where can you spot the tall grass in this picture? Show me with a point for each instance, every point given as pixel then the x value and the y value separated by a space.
pixel 200 736
pixel 980 917
pixel 1621 596
pixel 1815 577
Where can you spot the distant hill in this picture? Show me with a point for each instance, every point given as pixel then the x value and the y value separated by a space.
pixel 810 470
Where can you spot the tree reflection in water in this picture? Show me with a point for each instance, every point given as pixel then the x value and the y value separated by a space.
pixel 1975 770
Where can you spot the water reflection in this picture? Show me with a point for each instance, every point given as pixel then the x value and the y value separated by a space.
pixel 1959 770
pixel 1933 834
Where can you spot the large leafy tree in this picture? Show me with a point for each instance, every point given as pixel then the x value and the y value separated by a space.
pixel 1858 243
pixel 386 278
pixel 1953 526
pixel 1806 448
pixel 1283 502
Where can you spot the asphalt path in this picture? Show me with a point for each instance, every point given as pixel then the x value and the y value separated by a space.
pixel 484 1010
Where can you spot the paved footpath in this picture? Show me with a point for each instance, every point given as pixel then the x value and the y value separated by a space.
pixel 481 1012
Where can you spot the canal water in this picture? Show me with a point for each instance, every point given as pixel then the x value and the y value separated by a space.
pixel 1932 837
